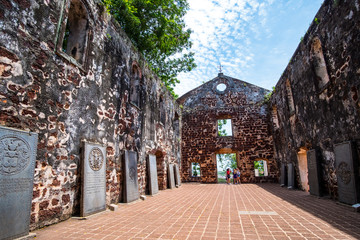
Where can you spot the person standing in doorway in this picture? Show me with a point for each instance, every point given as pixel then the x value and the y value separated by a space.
pixel 235 176
pixel 238 176
pixel 228 172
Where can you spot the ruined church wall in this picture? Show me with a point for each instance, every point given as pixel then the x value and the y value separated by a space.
pixel 243 104
pixel 109 96
pixel 316 101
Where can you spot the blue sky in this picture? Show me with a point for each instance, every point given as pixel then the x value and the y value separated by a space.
pixel 252 39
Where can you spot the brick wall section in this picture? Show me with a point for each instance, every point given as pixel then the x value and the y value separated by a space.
pixel 325 97
pixel 45 91
pixel 242 103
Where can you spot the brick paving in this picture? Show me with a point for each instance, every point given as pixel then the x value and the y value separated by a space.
pixel 217 211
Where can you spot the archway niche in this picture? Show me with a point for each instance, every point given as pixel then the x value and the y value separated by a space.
pixel 76 33
pixel 303 168
pixel 135 84
pixel 161 170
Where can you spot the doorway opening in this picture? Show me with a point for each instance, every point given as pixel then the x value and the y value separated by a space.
pixel 223 162
pixel 303 169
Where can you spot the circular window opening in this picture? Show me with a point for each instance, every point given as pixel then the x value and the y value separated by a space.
pixel 221 87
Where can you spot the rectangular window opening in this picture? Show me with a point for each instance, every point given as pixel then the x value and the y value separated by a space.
pixel 195 169
pixel 224 127
pixel 261 169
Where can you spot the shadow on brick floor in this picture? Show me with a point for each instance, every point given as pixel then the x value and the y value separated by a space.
pixel 340 216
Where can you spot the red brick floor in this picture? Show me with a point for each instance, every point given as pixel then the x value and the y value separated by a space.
pixel 217 211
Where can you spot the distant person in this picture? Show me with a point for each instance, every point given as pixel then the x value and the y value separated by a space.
pixel 228 172
pixel 238 175
pixel 235 176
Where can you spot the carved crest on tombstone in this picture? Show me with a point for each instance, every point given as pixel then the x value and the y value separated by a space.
pixel 96 159
pixel 132 174
pixel 344 172
pixel 14 154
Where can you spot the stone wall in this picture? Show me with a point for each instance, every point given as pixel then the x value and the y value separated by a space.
pixel 316 101
pixel 84 81
pixel 243 104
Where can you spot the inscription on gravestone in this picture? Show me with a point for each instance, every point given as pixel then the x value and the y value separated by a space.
pixel 152 172
pixel 171 180
pixel 17 163
pixel 313 173
pixel 283 176
pixel 93 191
pixel 177 175
pixel 291 177
pixel 344 162
pixel 131 189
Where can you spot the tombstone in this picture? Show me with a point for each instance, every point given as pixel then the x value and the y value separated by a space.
pixel 152 173
pixel 93 179
pixel 291 178
pixel 344 163
pixel 314 176
pixel 283 176
pixel 17 164
pixel 177 175
pixel 131 186
pixel 171 180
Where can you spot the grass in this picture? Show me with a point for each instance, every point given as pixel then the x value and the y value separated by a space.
pixel 221 177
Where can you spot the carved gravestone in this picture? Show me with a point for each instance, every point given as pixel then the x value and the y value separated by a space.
pixel 283 176
pixel 313 173
pixel 93 179
pixel 291 178
pixel 344 163
pixel 177 175
pixel 17 164
pixel 131 187
pixel 171 180
pixel 152 172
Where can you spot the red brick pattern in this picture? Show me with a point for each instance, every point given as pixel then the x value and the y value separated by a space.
pixel 208 211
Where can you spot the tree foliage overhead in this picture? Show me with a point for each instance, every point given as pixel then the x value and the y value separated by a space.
pixel 157 29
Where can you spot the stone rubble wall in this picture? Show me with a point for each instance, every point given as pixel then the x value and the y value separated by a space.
pixel 243 104
pixel 324 78
pixel 43 91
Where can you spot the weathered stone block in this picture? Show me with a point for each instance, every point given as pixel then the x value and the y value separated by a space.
pixel 131 189
pixel 291 176
pixel 177 175
pixel 283 175
pixel 347 184
pixel 93 191
pixel 314 173
pixel 113 207
pixel 171 180
pixel 17 164
pixel 152 173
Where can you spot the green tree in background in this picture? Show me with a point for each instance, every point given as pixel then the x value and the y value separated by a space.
pixel 227 160
pixel 221 130
pixel 157 29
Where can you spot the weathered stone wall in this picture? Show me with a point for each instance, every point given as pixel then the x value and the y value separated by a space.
pixel 243 104
pixel 316 101
pixel 101 90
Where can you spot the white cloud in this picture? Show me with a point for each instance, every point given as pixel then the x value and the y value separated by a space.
pixel 242 35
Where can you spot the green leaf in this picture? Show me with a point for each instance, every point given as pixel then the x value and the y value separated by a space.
pixel 157 29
